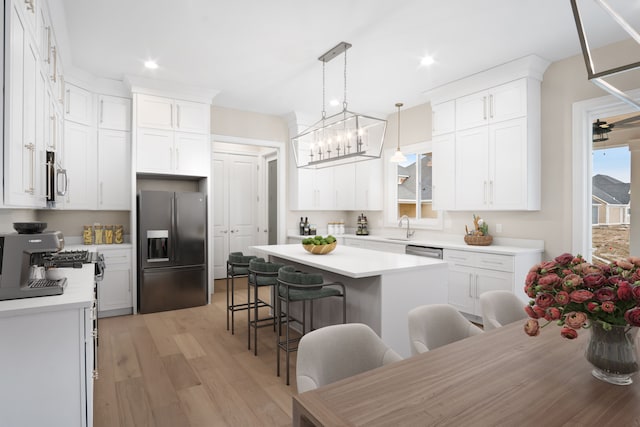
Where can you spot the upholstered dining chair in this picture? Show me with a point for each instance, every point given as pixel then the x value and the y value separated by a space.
pixel 500 308
pixel 436 325
pixel 301 287
pixel 335 352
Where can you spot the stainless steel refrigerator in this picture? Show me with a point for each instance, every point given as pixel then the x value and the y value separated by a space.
pixel 172 241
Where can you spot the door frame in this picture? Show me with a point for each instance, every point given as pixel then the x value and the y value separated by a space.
pixel 584 114
pixel 266 159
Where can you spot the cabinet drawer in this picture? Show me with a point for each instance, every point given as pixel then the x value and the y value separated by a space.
pixel 459 257
pixel 495 262
pixel 116 257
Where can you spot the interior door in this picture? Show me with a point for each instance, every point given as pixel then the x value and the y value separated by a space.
pixel 243 197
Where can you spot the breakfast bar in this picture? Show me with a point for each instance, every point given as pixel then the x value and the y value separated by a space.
pixel 381 287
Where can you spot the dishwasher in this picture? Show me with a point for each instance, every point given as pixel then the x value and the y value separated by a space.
pixel 426 251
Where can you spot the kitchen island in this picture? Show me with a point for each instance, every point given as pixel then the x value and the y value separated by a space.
pixel 47 355
pixel 381 287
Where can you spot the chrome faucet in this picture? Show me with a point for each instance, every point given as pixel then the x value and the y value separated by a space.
pixel 409 231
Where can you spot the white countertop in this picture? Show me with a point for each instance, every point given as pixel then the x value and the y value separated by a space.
pixel 457 242
pixel 350 261
pixel 78 293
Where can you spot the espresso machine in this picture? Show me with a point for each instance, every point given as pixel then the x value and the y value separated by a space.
pixel 23 258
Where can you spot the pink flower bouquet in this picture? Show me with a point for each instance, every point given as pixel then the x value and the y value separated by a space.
pixel 575 293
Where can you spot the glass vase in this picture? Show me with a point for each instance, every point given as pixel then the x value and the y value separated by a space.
pixel 613 353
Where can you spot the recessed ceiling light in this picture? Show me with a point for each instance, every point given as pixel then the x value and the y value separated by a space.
pixel 427 60
pixel 150 64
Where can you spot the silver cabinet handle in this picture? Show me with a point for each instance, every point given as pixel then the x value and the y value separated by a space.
pixel 484 107
pixel 68 100
pixel 54 125
pixel 32 163
pixel 491 191
pixel 178 115
pixel 101 110
pixel 485 192
pixel 491 106
pixel 62 90
pixel 54 77
pixel 48 45
pixel 29 4
pixel 470 282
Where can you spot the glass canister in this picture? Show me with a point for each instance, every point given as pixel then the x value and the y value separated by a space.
pixel 118 233
pixel 98 234
pixel 108 234
pixel 87 235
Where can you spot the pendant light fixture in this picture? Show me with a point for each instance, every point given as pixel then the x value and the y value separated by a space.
pixel 398 157
pixel 345 137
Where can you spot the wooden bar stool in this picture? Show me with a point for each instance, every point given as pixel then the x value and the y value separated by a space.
pixel 237 266
pixel 296 286
pixel 261 274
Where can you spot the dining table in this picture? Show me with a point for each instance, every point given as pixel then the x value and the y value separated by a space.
pixel 501 377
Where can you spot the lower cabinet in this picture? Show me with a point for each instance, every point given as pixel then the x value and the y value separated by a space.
pixel 115 289
pixel 48 367
pixel 473 273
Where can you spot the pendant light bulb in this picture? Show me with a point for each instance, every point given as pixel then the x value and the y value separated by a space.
pixel 398 157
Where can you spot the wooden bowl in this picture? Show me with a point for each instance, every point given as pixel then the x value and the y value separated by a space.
pixel 320 249
pixel 478 240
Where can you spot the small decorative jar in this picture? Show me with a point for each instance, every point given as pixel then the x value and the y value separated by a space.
pixel 87 235
pixel 108 234
pixel 98 234
pixel 118 234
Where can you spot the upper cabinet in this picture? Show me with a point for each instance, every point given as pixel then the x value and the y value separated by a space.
pixel 78 105
pixel 114 113
pixel 486 136
pixel 170 114
pixel 172 136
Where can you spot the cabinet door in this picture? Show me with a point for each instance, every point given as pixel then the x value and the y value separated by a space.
pixel 472 110
pixel 508 165
pixel 192 154
pixel 324 196
pixel 154 112
pixel 80 154
pixel 306 191
pixel 78 105
pixel 369 185
pixel 344 177
pixel 508 101
pixel 192 117
pixel 114 113
pixel 490 280
pixel 444 168
pixel 155 151
pixel 462 288
pixel 472 163
pixel 443 118
pixel 114 170
pixel 114 291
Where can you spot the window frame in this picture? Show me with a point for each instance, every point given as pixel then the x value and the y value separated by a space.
pixel 391 182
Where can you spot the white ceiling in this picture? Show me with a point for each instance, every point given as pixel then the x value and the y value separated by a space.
pixel 262 55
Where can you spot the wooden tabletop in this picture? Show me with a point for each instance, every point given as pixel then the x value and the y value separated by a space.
pixel 502 377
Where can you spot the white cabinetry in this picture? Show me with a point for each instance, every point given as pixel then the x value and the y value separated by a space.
pixel 471 273
pixel 369 185
pixel 443 118
pixel 24 86
pixel 114 113
pixel 492 160
pixel 80 154
pixel 172 136
pixel 114 170
pixel 78 105
pixel 165 113
pixel 114 291
pixel 344 180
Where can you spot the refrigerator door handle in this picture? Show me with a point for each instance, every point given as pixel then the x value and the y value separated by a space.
pixel 174 228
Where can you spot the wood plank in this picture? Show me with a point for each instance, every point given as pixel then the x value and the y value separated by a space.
pixel 171 415
pixel 180 372
pixel 133 406
pixel 162 330
pixel 105 406
pixel 189 346
pixel 124 357
pixel 199 408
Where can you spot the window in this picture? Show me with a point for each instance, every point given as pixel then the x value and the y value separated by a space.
pixel 410 186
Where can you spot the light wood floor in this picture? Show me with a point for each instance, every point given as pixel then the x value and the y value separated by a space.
pixel 183 368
